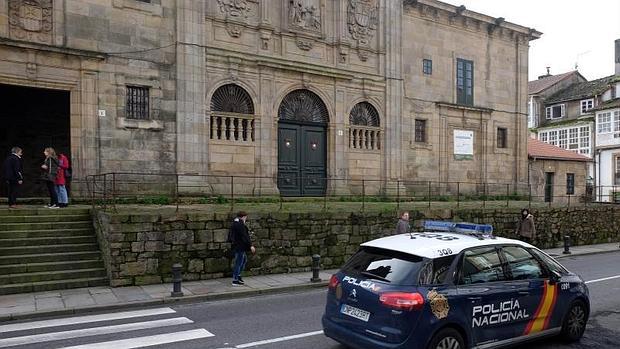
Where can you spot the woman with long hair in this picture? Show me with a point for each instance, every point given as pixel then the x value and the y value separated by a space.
pixel 50 170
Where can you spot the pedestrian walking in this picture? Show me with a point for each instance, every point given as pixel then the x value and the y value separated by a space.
pixel 49 174
pixel 12 173
pixel 61 181
pixel 526 230
pixel 403 227
pixel 241 243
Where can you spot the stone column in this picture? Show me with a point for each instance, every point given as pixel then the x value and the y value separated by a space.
pixel 86 129
pixel 192 128
pixel 267 135
pixel 393 147
pixel 337 134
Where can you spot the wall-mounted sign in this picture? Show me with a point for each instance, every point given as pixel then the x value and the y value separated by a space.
pixel 463 145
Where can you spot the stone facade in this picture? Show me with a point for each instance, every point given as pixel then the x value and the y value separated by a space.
pixel 140 248
pixel 345 52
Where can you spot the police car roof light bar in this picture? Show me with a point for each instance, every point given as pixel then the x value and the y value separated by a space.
pixel 481 231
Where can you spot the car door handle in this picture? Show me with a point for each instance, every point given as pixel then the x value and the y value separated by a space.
pixel 524 293
pixel 474 298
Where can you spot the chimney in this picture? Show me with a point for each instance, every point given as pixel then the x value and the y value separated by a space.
pixel 618 57
pixel 546 76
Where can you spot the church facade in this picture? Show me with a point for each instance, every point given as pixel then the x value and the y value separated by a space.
pixel 297 97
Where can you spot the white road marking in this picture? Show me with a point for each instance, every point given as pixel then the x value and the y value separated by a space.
pixel 84 319
pixel 141 342
pixel 603 279
pixel 95 331
pixel 280 339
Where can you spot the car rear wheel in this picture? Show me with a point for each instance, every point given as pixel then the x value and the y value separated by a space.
pixel 448 338
pixel 575 322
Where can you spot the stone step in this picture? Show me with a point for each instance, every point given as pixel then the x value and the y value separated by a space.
pixel 46 225
pixel 49 266
pixel 51 276
pixel 36 211
pixel 53 285
pixel 49 257
pixel 41 249
pixel 46 218
pixel 23 234
pixel 41 241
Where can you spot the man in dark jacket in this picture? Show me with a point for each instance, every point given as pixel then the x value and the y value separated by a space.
pixel 240 244
pixel 12 173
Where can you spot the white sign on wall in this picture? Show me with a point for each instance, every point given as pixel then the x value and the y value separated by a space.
pixel 463 145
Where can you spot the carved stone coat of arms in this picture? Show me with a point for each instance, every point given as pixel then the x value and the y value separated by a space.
pixel 362 20
pixel 31 20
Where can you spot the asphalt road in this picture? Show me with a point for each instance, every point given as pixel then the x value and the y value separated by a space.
pixel 276 322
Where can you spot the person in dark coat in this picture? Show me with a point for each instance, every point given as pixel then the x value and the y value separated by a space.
pixel 12 173
pixel 403 227
pixel 49 173
pixel 241 243
pixel 525 227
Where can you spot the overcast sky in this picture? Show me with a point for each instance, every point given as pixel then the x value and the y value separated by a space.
pixel 573 31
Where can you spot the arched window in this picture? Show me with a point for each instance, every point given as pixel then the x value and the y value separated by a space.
pixel 303 106
pixel 232 114
pixel 364 128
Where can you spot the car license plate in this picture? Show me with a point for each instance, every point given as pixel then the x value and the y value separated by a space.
pixel 355 312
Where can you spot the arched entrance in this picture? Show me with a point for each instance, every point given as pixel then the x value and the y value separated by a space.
pixel 302 145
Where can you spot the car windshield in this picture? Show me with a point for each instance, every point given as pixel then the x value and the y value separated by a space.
pixel 389 266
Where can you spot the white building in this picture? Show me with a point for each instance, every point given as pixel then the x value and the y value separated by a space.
pixel 607 145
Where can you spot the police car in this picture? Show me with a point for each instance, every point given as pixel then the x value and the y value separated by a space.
pixel 455 286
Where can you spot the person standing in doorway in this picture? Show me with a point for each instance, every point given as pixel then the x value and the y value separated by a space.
pixel 240 244
pixel 526 230
pixel 49 174
pixel 403 227
pixel 12 172
pixel 61 181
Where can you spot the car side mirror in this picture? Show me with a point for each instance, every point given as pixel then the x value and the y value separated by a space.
pixel 555 277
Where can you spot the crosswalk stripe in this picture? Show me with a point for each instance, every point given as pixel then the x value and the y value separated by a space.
pixel 47 337
pixel 84 319
pixel 141 342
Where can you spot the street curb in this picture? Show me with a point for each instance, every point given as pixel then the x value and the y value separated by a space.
pixel 561 255
pixel 165 301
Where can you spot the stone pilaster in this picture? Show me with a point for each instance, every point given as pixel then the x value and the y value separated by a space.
pixel 192 126
pixel 393 146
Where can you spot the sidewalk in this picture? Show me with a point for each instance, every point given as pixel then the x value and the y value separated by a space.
pixel 62 302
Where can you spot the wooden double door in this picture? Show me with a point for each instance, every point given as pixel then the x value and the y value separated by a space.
pixel 302 159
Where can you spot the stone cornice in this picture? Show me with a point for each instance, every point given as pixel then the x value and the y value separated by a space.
pixel 50 48
pixel 464 107
pixel 302 67
pixel 459 16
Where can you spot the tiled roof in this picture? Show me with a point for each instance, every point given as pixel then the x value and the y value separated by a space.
pixel 583 90
pixel 610 104
pixel 540 85
pixel 541 150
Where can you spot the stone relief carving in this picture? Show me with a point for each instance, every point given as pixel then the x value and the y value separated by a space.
pixel 305 14
pixel 362 20
pixel 234 30
pixel 235 8
pixel 305 44
pixel 31 20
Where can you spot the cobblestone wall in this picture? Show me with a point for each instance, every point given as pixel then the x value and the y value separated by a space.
pixel 140 248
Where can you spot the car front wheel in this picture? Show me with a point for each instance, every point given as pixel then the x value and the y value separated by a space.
pixel 447 338
pixel 575 322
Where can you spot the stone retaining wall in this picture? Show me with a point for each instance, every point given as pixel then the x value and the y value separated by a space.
pixel 140 248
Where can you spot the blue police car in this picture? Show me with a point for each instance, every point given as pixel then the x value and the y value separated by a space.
pixel 455 286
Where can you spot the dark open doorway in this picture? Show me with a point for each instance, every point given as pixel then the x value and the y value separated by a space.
pixel 33 118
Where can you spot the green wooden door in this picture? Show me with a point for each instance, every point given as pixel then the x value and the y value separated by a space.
pixel 302 155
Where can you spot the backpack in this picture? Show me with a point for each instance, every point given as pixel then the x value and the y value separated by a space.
pixel 231 236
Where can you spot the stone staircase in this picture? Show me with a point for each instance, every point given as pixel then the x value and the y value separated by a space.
pixel 44 249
